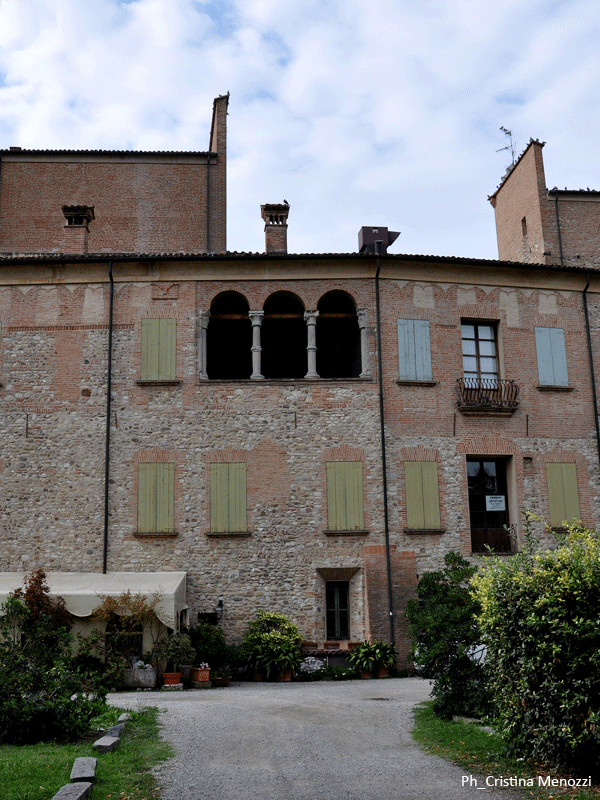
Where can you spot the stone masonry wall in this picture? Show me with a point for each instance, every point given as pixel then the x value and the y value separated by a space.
pixel 53 361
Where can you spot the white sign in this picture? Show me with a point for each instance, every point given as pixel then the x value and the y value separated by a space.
pixel 495 502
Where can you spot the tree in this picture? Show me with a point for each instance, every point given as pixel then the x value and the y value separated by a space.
pixel 445 638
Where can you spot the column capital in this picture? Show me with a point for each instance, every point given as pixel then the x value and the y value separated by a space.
pixel 363 317
pixel 310 317
pixel 256 317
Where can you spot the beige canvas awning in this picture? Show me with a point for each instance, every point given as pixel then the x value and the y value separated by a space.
pixel 82 591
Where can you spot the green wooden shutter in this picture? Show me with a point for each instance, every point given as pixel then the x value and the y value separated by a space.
pixel 563 494
pixel 345 508
pixel 422 495
pixel 551 357
pixel 414 350
pixel 165 497
pixel 146 498
pixel 159 348
pixel 228 497
pixel 167 349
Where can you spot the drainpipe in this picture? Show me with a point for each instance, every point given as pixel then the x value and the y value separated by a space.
pixel 108 399
pixel 383 456
pixel 591 361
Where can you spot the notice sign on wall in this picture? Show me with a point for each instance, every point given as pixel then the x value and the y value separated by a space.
pixel 495 502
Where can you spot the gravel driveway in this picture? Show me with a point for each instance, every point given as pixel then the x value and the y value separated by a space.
pixel 300 741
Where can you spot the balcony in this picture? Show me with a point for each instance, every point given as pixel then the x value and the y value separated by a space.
pixel 496 540
pixel 493 397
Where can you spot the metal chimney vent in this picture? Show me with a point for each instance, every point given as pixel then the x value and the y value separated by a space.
pixel 373 240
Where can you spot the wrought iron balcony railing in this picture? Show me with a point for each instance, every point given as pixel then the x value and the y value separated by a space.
pixel 487 395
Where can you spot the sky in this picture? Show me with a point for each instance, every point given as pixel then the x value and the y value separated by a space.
pixel 378 112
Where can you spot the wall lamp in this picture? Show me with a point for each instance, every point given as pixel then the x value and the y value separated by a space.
pixel 219 609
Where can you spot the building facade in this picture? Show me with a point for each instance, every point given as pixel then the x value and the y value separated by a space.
pixel 304 433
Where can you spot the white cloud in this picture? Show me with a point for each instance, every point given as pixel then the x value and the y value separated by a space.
pixel 385 112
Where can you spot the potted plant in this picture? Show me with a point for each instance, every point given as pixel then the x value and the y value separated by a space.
pixel 271 645
pixel 175 650
pixel 369 657
pixel 201 672
pixel 221 677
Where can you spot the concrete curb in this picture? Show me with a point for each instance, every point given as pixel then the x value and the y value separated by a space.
pixel 83 774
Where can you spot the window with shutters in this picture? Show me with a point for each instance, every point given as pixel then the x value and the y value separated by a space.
pixel 228 498
pixel 159 348
pixel 422 496
pixel 563 494
pixel 414 350
pixel 345 511
pixel 551 357
pixel 156 494
pixel 480 354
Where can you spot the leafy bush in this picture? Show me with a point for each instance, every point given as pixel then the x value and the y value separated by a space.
pixel 370 656
pixel 445 637
pixel 271 644
pixel 43 695
pixel 539 619
pixel 209 643
pixel 175 650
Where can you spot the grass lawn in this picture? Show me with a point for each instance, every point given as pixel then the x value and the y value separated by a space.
pixel 481 754
pixel 36 772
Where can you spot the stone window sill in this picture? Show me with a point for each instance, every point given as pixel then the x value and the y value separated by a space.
pixel 404 382
pixel 346 533
pixel 555 388
pixel 154 535
pixel 229 534
pixel 262 381
pixel 422 531
pixel 162 382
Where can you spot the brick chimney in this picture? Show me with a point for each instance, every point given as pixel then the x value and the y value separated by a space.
pixel 275 216
pixel 78 219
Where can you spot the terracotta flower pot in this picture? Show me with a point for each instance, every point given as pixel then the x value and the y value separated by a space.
pixel 366 674
pixel 221 681
pixel 383 672
pixel 200 674
pixel 285 676
pixel 171 678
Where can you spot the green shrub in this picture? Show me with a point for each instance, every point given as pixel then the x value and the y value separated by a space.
pixel 175 650
pixel 271 644
pixel 445 638
pixel 539 618
pixel 370 656
pixel 209 643
pixel 44 696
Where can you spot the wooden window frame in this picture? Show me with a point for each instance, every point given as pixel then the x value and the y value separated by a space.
pixel 158 361
pixel 561 479
pixel 470 381
pixel 551 352
pixel 414 351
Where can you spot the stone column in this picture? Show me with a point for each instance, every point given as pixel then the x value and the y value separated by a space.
pixel 203 318
pixel 310 317
pixel 256 318
pixel 363 316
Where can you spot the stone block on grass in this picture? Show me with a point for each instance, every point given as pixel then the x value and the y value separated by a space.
pixel 106 744
pixel 84 769
pixel 73 791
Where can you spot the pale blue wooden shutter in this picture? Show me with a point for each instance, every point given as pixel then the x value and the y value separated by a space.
pixel 414 350
pixel 551 357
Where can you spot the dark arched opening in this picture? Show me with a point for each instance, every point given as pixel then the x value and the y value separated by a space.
pixel 338 337
pixel 229 338
pixel 283 337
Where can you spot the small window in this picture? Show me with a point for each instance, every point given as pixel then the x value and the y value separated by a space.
pixel 414 350
pixel 159 346
pixel 480 354
pixel 524 226
pixel 283 337
pixel 156 493
pixel 229 338
pixel 422 495
pixel 563 494
pixel 338 337
pixel 228 498
pixel 337 608
pixel 551 357
pixel 345 511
